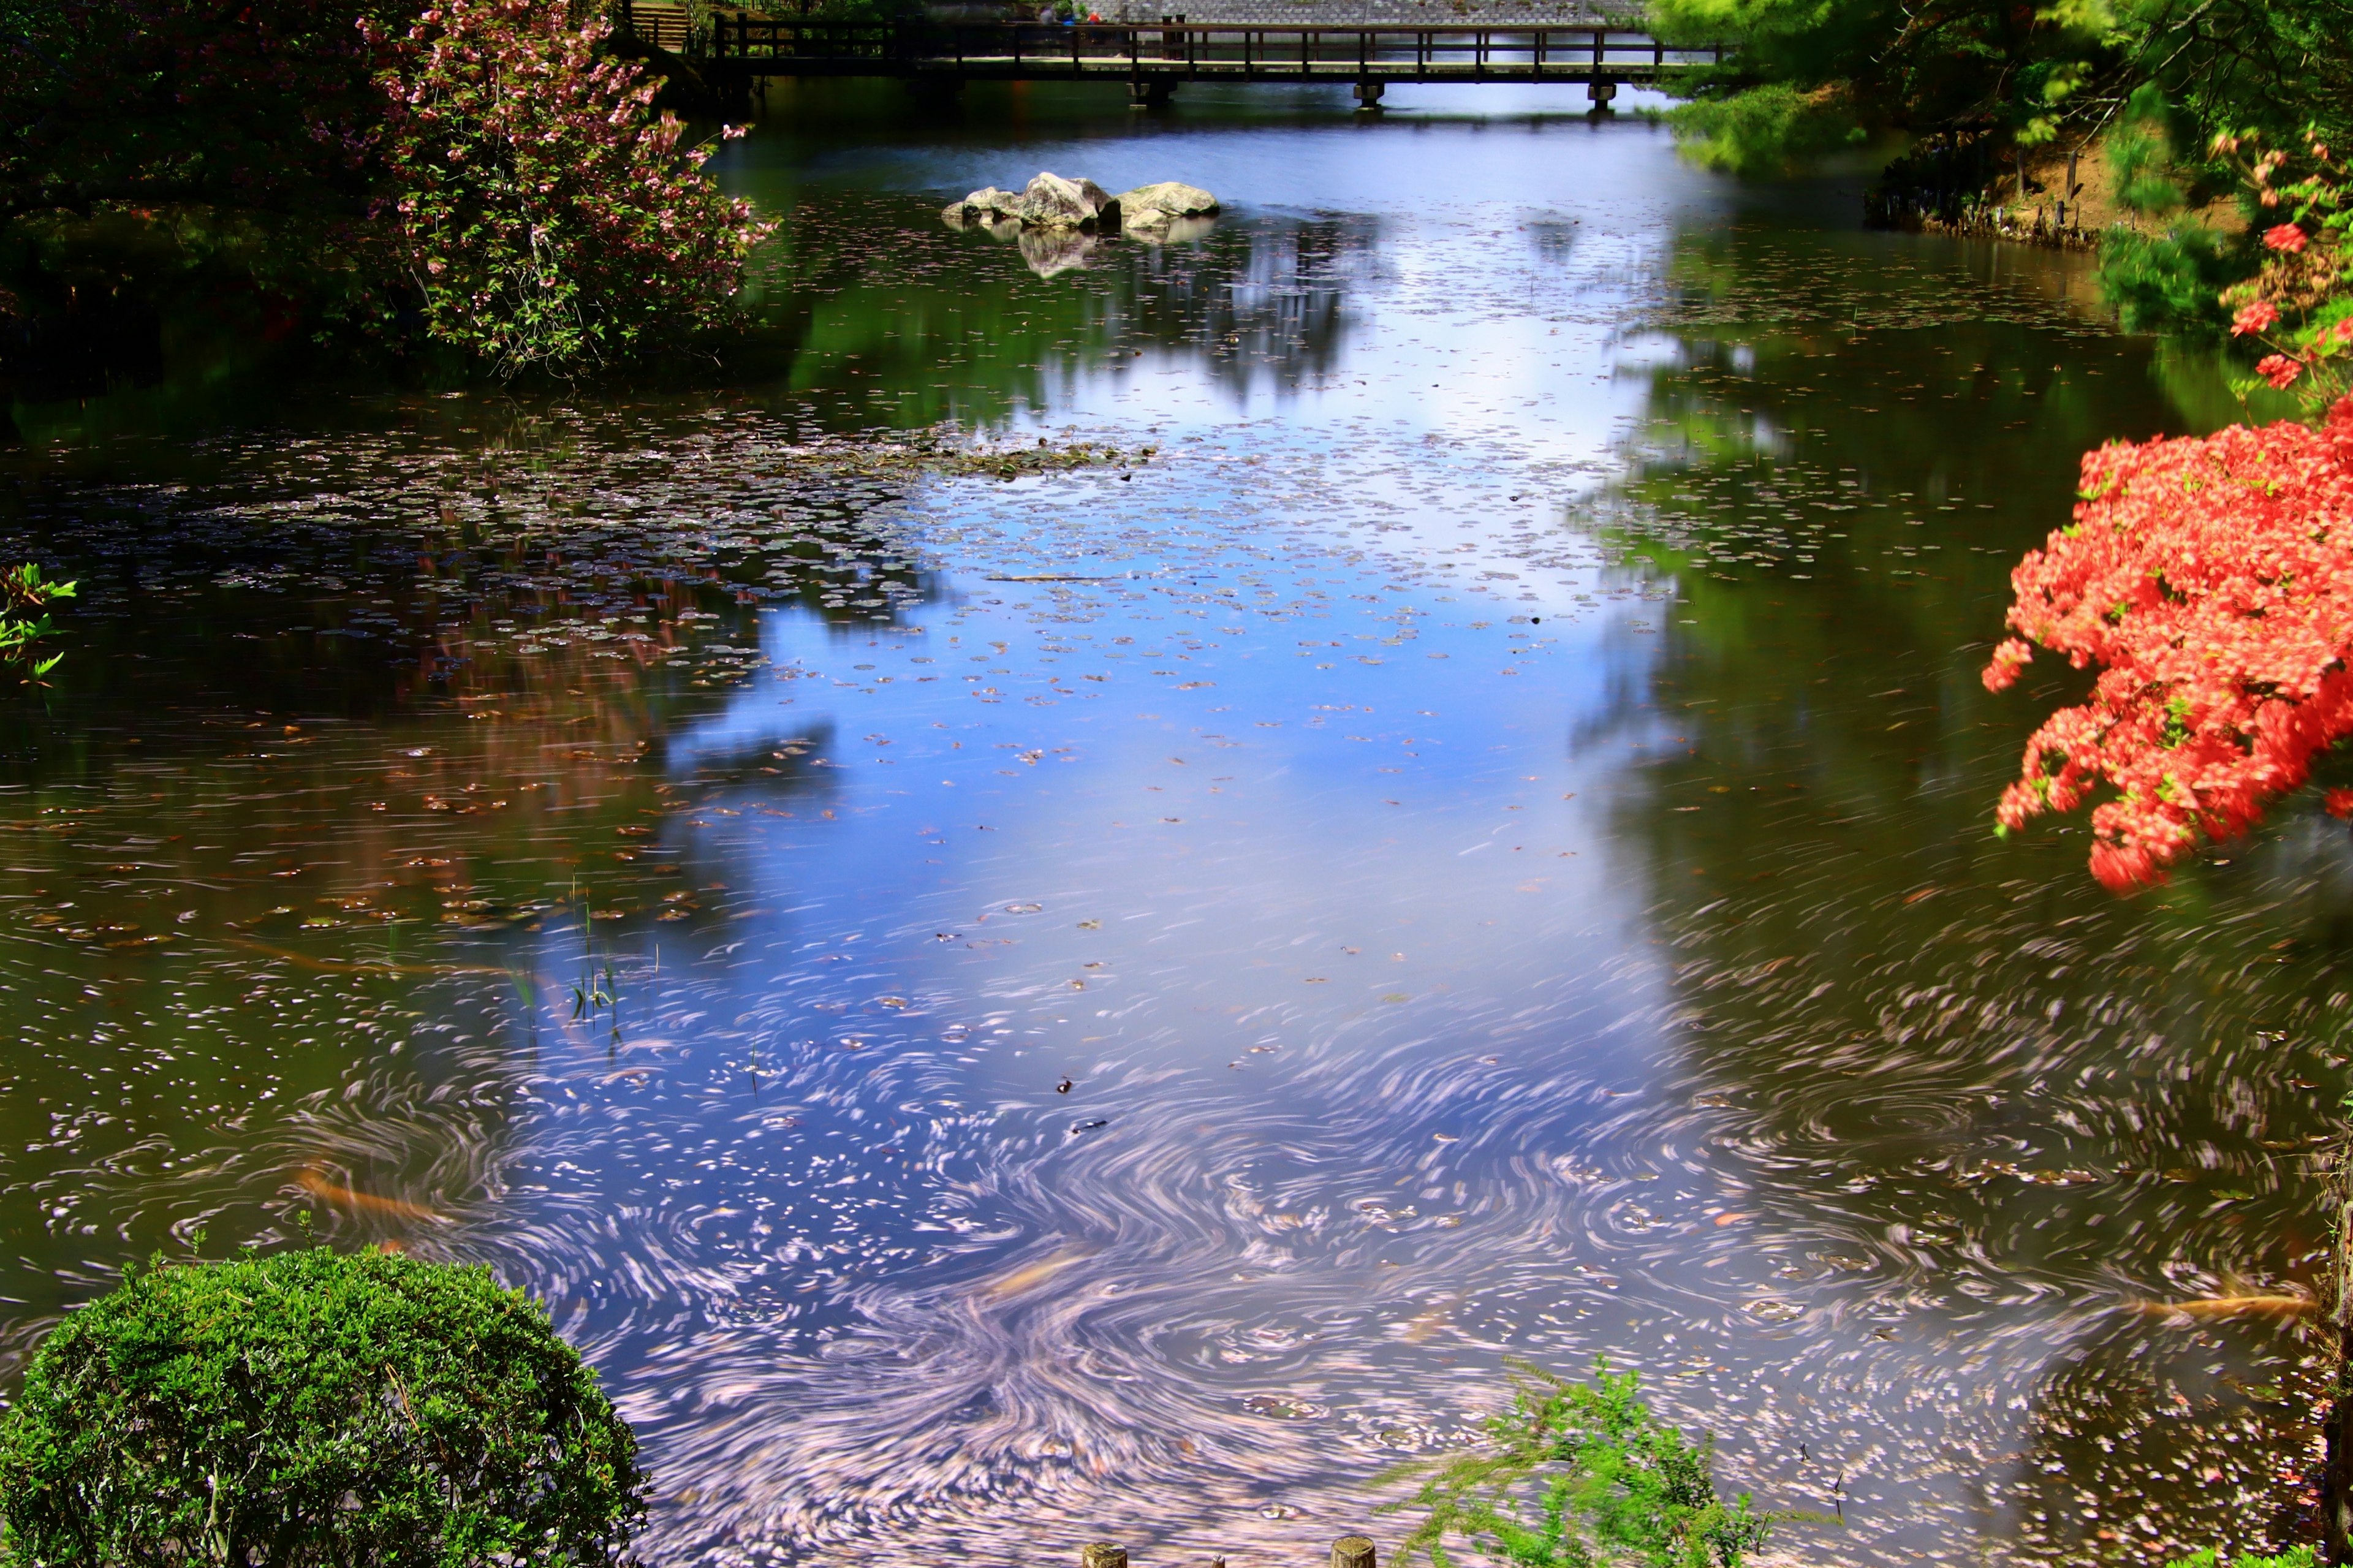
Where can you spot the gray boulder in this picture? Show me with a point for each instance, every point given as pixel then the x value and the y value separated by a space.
pixel 1158 203
pixel 987 205
pixel 1053 202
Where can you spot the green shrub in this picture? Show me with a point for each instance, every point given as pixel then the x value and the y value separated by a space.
pixel 2140 156
pixel 1765 130
pixel 2295 1557
pixel 1575 1475
pixel 310 1408
pixel 549 218
pixel 24 598
pixel 2171 282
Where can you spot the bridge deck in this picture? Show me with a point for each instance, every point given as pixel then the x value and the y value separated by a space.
pixel 755 45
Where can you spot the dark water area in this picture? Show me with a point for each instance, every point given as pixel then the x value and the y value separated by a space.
pixel 1009 993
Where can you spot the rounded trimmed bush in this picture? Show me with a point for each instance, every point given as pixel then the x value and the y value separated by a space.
pixel 310 1408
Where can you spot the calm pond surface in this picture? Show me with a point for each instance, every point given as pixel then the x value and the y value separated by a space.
pixel 1008 994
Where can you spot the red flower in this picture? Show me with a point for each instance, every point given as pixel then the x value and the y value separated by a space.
pixel 2255 318
pixel 2284 237
pixel 2211 580
pixel 2001 671
pixel 2337 803
pixel 2278 369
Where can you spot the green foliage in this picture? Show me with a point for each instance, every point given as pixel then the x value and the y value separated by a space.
pixel 2295 1557
pixel 24 598
pixel 1872 66
pixel 549 217
pixel 477 172
pixel 2056 73
pixel 153 151
pixel 2171 282
pixel 1577 1474
pixel 2298 301
pixel 307 1408
pixel 2140 152
pixel 251 106
pixel 1764 131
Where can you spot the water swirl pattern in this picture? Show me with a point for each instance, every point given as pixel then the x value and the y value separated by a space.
pixel 1077 910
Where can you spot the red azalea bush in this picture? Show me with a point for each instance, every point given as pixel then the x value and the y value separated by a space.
pixel 2212 580
pixel 2209 578
pixel 2298 304
pixel 546 214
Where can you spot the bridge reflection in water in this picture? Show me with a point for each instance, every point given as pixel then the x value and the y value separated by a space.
pixel 1154 57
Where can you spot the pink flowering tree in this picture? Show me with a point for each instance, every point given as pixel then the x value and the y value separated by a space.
pixel 546 216
pixel 2209 579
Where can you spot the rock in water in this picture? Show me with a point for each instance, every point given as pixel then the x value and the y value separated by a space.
pixel 1053 202
pixel 1158 203
pixel 984 206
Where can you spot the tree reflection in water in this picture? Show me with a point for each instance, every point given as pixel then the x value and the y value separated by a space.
pixel 272 851
pixel 955 325
pixel 1963 1081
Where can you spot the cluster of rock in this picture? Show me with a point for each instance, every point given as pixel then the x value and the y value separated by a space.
pixel 1052 203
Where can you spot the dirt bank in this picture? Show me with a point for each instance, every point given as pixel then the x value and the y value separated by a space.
pixel 2065 197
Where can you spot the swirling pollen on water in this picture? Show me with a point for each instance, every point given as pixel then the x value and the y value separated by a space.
pixel 1007 993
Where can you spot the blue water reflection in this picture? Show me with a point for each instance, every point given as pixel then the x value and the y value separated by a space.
pixel 1110 999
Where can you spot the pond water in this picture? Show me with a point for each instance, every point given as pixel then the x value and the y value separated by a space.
pixel 1074 906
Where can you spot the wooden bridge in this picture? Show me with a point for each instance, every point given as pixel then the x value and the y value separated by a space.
pixel 1154 58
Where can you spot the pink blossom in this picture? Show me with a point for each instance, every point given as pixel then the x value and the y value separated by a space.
pixel 2279 370
pixel 2255 318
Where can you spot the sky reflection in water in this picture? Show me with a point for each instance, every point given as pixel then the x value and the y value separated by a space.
pixel 1488 824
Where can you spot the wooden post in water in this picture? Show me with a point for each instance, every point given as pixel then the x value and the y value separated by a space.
pixel 1353 1552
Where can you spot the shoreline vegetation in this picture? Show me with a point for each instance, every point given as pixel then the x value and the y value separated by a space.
pixel 487 189
pixel 461 187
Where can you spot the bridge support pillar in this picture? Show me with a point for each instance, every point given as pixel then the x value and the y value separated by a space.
pixel 1151 92
pixel 1368 98
pixel 1601 92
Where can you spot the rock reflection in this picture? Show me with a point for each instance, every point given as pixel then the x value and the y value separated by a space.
pixel 1053 251
pixel 934 328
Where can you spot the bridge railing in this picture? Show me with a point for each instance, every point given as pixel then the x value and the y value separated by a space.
pixel 1573 53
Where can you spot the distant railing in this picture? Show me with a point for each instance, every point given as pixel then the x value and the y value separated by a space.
pixel 1293 51
pixel 664 24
